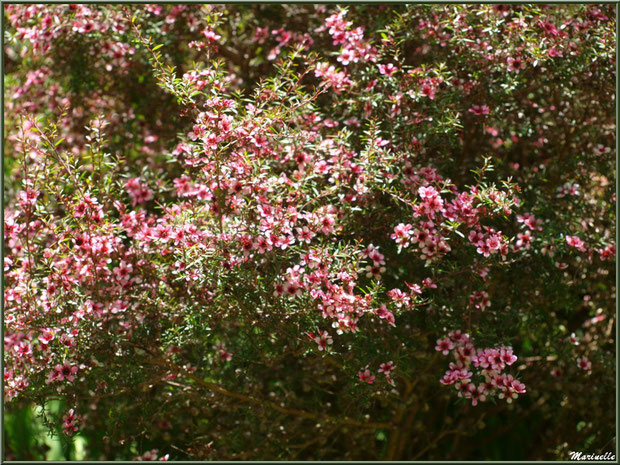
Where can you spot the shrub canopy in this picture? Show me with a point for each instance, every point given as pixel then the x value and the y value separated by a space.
pixel 265 232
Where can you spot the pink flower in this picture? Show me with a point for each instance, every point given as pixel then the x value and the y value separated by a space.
pixel 383 313
pixel 399 297
pixel 70 422
pixel 323 339
pixel 479 110
pixel 602 150
pixel 444 345
pixel 458 336
pixel 338 80
pixel 305 235
pixel 292 289
pixel 476 237
pixel 476 394
pixel 608 252
pixel 28 197
pixel 428 89
pixel 402 234
pixel 427 192
pixel 507 356
pixel 515 64
pixel 122 271
pixel 464 353
pixel 530 221
pixel 414 288
pixel 576 242
pixel 523 240
pixel 210 35
pixel 373 253
pixel 62 372
pixel 327 224
pixel 549 28
pixel 510 388
pixel 584 363
pixel 387 70
pixel 80 210
pixel 493 243
pixel 47 335
pixel 480 300
pixel 138 191
pixel 365 376
pixel 374 271
pixel 386 369
pixel 456 373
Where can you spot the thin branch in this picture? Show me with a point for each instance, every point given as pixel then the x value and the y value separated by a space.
pixel 263 402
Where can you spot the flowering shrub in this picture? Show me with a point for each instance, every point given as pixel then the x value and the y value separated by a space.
pixel 266 232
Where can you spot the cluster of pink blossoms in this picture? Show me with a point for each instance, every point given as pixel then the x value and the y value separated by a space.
pixel 337 80
pixel 354 47
pixel 426 86
pixel 61 372
pixel 530 221
pixel 488 241
pixel 332 289
pixel 339 303
pixel 489 364
pixel 430 235
pixel 479 300
pixel 576 242
pixel 56 23
pixel 378 262
pixel 524 239
pixel 71 422
pixel 286 38
pixel 138 191
pixel 240 215
pixel 479 110
pixel 366 376
pixel 427 237
pixel 568 188
pixel 13 384
pixel 323 339
pixel 608 252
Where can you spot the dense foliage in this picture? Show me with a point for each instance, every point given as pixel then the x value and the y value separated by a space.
pixel 310 232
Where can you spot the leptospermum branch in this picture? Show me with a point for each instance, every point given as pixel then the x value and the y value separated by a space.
pixel 263 402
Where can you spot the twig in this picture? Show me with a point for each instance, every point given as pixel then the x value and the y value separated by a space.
pixel 263 402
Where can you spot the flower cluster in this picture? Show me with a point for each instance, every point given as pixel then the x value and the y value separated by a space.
pixel 354 47
pixel 71 422
pixel 488 365
pixel 366 376
pixel 246 204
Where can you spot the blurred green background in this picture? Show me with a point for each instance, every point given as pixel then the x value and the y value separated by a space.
pixel 26 436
